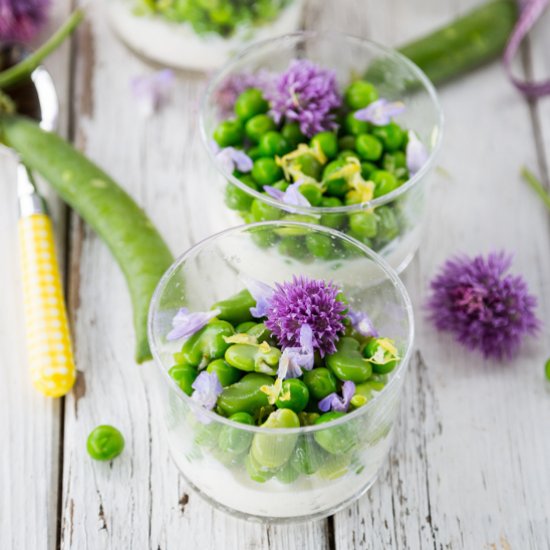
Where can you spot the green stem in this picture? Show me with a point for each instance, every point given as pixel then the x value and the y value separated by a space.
pixel 25 67
pixel 7 106
pixel 532 180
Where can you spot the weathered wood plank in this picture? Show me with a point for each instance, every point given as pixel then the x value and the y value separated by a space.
pixel 30 422
pixel 140 501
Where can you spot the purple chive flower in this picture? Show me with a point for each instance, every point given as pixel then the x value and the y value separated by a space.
pixel 291 196
pixel 417 154
pixel 185 324
pixel 232 159
pixel 152 91
pixel 336 403
pixel 293 360
pixel 380 112
pixel 207 388
pixel 20 20
pixel 262 293
pixel 308 94
pixel 362 323
pixel 234 85
pixel 483 307
pixel 306 302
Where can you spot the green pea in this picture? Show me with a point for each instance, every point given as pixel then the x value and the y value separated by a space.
pixel 287 474
pixel 369 147
pixel 388 226
pixel 263 212
pixel 255 153
pixel 294 247
pixel 259 125
pixel 337 187
pixel 346 155
pixel 387 362
pixel 184 376
pixel 266 171
pixel 321 246
pixel 271 450
pixel 294 395
pixel 105 443
pixel 312 192
pixel 320 382
pixel 295 231
pixel 262 237
pixel 309 166
pixel 547 369
pixel 260 332
pixel 359 94
pixel 254 357
pixel 292 133
pixel 245 327
pixel 245 395
pixel 385 182
pixel 227 374
pixel 391 135
pixel 354 126
pixel 347 363
pixel 273 143
pixel 363 224
pixel 367 168
pixel 235 441
pixel 395 162
pixel 327 141
pixel 308 457
pixel 361 238
pixel 251 102
pixel 236 308
pixel 336 220
pixel 337 440
pixel 236 198
pixel 207 344
pixel 346 142
pixel 228 133
pixel 308 418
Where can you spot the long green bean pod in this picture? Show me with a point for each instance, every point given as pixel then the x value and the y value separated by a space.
pixel 133 240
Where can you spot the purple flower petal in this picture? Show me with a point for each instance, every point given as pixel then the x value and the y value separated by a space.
pixel 362 323
pixel 231 159
pixel 207 388
pixel 336 403
pixel 417 155
pixel 380 112
pixel 294 359
pixel 152 91
pixel 20 20
pixel 262 293
pixel 185 324
pixel 291 196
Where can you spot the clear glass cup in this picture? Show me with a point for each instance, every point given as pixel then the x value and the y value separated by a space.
pixel 401 212
pixel 199 35
pixel 284 474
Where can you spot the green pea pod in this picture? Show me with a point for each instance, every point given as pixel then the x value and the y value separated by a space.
pixel 236 309
pixel 234 441
pixel 337 440
pixel 271 451
pixel 207 344
pixel 294 395
pixel 131 237
pixel 184 376
pixel 227 374
pixel 347 363
pixel 254 357
pixel 245 395
pixel 320 382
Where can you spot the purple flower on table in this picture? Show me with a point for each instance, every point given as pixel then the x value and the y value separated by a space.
pixel 185 324
pixel 336 403
pixel 307 94
pixel 380 112
pixel 207 388
pixel 362 323
pixel 152 91
pixel 20 20
pixel 485 308
pixel 262 293
pixel 304 301
pixel 291 196
pixel 417 154
pixel 234 85
pixel 232 159
pixel 296 359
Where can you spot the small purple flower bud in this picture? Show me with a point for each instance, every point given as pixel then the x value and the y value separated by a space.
pixel 361 323
pixel 336 403
pixel 291 196
pixel 380 112
pixel 262 293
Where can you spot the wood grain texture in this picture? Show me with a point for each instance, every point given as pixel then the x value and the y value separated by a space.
pixel 30 422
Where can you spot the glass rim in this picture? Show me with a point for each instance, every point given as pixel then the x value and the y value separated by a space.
pixel 223 72
pixel 211 415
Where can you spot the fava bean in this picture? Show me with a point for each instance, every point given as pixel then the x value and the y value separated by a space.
pixel 338 439
pixel 295 231
pixel 334 467
pixel 226 374
pixel 236 308
pixel 260 358
pixel 320 382
pixel 382 357
pixel 245 395
pixel 256 472
pixel 294 395
pixel 235 441
pixel 287 474
pixel 207 344
pixel 245 327
pixel 321 246
pixel 260 332
pixel 184 376
pixel 206 435
pixel 307 457
pixel 347 363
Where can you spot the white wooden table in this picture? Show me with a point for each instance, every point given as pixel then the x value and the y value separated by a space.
pixel 471 464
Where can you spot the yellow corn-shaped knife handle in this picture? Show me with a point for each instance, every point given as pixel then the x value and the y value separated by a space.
pixel 48 338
